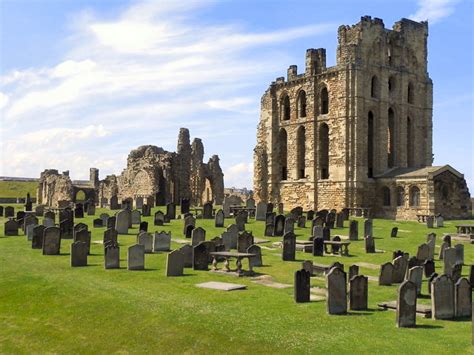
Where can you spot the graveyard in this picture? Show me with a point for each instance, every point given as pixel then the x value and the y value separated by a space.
pixel 50 305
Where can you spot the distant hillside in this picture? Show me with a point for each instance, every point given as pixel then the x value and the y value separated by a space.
pixel 14 189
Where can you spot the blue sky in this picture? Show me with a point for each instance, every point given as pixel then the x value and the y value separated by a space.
pixel 84 82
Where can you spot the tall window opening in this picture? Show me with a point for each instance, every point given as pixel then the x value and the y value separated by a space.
pixel 414 196
pixel 285 107
pixel 374 87
pixel 391 139
pixel 386 196
pixel 324 101
pixel 324 151
pixel 283 145
pixel 400 196
pixel 302 104
pixel 301 152
pixel 370 145
pixel 410 152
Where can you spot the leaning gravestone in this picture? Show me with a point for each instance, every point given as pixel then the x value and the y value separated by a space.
pixel 302 286
pixel 136 257
pixel 37 240
pixel 386 274
pixel 162 241
pixel 51 241
pixel 112 256
pixel 336 294
pixel 354 230
pixel 198 235
pixel 415 275
pixel 146 240
pixel 369 244
pixel 257 259
pixel 462 298
pixel 244 241
pixel 121 222
pixel 219 219
pixel 289 247
pixel 400 265
pixel 79 251
pixel 442 298
pixel 175 263
pixel 318 247
pixel 358 293
pixel 368 228
pixel 406 305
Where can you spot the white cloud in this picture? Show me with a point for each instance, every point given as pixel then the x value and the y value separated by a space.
pixel 239 175
pixel 433 10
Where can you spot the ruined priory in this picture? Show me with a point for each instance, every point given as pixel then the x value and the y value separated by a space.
pixel 358 134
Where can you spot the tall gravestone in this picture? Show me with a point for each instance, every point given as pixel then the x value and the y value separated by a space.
pixel 185 205
pixel 244 241
pixel 336 294
pixel 257 259
pixel 415 275
pixel 449 259
pixel 51 241
pixel 187 251
pixel 406 305
pixel 111 256
pixel 318 247
pixel 368 228
pixel 358 293
pixel 279 226
pixel 110 235
pixel 162 241
pixel 207 210
pixel 442 298
pixel 462 298
pixel 354 230
pixel 219 219
pixel 136 257
pixel 37 241
pixel 121 222
pixel 79 252
pixel 198 235
pixel 369 244
pixel 289 225
pixel 394 232
pixel 171 210
pixel 386 274
pixel 302 286
pixel 261 211
pixel 175 263
pixel 289 247
pixel 400 265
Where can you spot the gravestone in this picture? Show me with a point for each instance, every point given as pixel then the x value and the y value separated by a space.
pixel 429 268
pixel 255 260
pixel 471 275
pixel 20 216
pixel 162 241
pixel 159 218
pixel 110 236
pixel 331 219
pixel 244 241
pixel 175 263
pixel 462 298
pixel 111 256
pixel 430 281
pixel 1 211
pixel 449 260
pixel 50 214
pixel 39 211
pixel 207 210
pixel 447 239
pixel 354 230
pixel 326 233
pixel 310 215
pixel 431 242
pixel 37 240
pixel 289 247
pixel 279 229
pixel 336 264
pixel 29 220
pixel 121 222
pixel 318 247
pixel 11 228
pixel 289 225
pixel 84 236
pixel 198 235
pixel 339 220
pixel 171 210
pixel 301 222
pixel 423 252
pixel 91 209
pixel 97 223
pixel 219 220
pixel 261 212
pixel 240 221
pixel 336 294
pixel 353 271
pixel 111 222
pixel 369 245
pixel 318 221
pixel 302 286
pixel 386 274
pixel 442 298
pixel 201 256
pixel 397 253
pixel 281 208
pixel 406 305
pixel 250 203
pixel 335 248
pixel 79 252
pixel 394 232
pixel 269 228
pixel 139 202
pixel 185 205
pixel 136 217
pixel 51 241
pixel 145 239
pixel 439 221
pixel 188 221
pixel 400 265
pixel 136 257
pixel 9 211
pixel 456 272
pixel 79 211
pixel 187 251
pixel 459 253
pixel 429 221
pixel 143 226
pixel 442 248
pixel 415 275
pixel 270 218
pixel 318 232
pixel 188 232
pixel 368 228
pixel 48 222
pixel 358 292
pixel 114 205
pixel 146 210
pixel 28 203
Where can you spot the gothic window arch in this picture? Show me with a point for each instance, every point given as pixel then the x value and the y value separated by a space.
pixel 400 196
pixel 324 151
pixel 370 145
pixel 414 196
pixel 391 85
pixel 324 97
pixel 283 153
pixel 285 107
pixel 301 152
pixel 410 93
pixel 374 87
pixel 301 104
pixel 391 138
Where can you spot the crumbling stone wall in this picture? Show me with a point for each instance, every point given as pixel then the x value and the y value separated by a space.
pixel 54 187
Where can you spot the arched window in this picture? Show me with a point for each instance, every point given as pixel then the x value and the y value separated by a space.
pixel 370 145
pixel 374 87
pixel 410 162
pixel 324 151
pixel 400 196
pixel 414 196
pixel 324 101
pixel 285 108
pixel 302 104
pixel 410 93
pixel 391 139
pixel 391 84
pixel 386 196
pixel 283 146
pixel 301 152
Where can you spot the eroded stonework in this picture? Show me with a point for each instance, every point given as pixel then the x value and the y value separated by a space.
pixel 358 134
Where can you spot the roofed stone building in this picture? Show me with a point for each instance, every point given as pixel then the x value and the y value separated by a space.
pixel 358 134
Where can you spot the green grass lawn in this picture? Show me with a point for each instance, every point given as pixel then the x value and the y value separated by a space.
pixel 47 306
pixel 18 188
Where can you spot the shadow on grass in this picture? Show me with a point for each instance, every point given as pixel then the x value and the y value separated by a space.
pixel 428 326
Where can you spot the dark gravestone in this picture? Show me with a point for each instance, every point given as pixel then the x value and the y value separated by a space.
pixel 146 239
pixel 270 218
pixel 289 225
pixel 353 271
pixel 394 232
pixel 143 226
pixel 175 263
pixel 83 235
pixel 240 221
pixel 318 221
pixel 289 247
pixel 171 210
pixel 471 275
pixel 37 241
pixel 11 228
pixel 111 256
pixel 110 236
pixel 219 220
pixel 244 241
pixel 269 207
pixel 358 292
pixel 257 259
pixel 406 305
pixel 20 216
pixel 201 256
pixel 326 233
pixel 318 247
pixel 430 281
pixel 198 235
pixel 9 211
pixel 79 211
pixel 281 208
pixel 29 203
pixel 187 251
pixel 51 241
pixel 301 222
pixel 122 222
pixel 369 245
pixel 136 217
pixel 368 228
pixel 330 220
pixel 429 268
pixel 261 211
pixel 337 264
pixel 339 220
pixel 302 286
pixel 207 210
pixel 29 220
pixel 397 253
pixel 310 215
pixel 335 248
pixel 336 286
pixel 456 272
pixel 462 298
pixel 354 230
pixel 188 231
pixel 159 219
pixel 279 228
pixel 296 212
pixel 136 257
pixel 39 211
pixel 447 239
pixel 386 274
pixel 188 220
pixel 79 251
pixel 1 211
pixel 185 205
pixel 269 230
pixel 146 210
pixel 400 265
pixel 442 298
pixel 91 209
pixel 114 205
pixel 50 214
pixel 97 223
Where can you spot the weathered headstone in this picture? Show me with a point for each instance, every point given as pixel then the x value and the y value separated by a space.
pixel 198 235
pixel 358 292
pixel 429 267
pixel 369 244
pixel 442 298
pixel 279 226
pixel 289 225
pixel 201 256
pixel 37 240
pixel 143 226
pixel 406 305
pixel 207 210
pixel 112 256
pixel 189 220
pixel 336 294
pixel 110 235
pixel 261 211
pixel 318 247
pixel 462 298
pixel 9 211
pixel 423 252
pixel 171 210
pixel 79 252
pixel 175 263
pixel 145 239
pixel 439 221
pixel 188 231
pixel 400 265
pixel 91 209
pixel 353 271
pixel 429 221
pixel 289 247
pixel 301 222
pixel 121 222
pixel 51 241
pixel 79 211
pixel 431 242
pixel 368 228
pixel 244 241
pixel 111 222
pixel 159 218
pixel 302 286
pixel 354 230
pixel 83 235
pixel 114 205
pixel 430 281
pixel 185 205
pixel 318 232
pixel 386 274
pixel 146 210
pixel 449 260
pixel 459 253
pixel 136 217
pixel 415 275
pixel 162 241
pixel 39 211
pixel 339 220
pixel 394 232
pixel 456 272
pixel 219 219
pixel 257 259
pixel 48 222
pixel 136 257
pixel 187 251
pixel 29 231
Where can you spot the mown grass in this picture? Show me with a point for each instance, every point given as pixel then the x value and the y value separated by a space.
pixel 16 189
pixel 47 306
